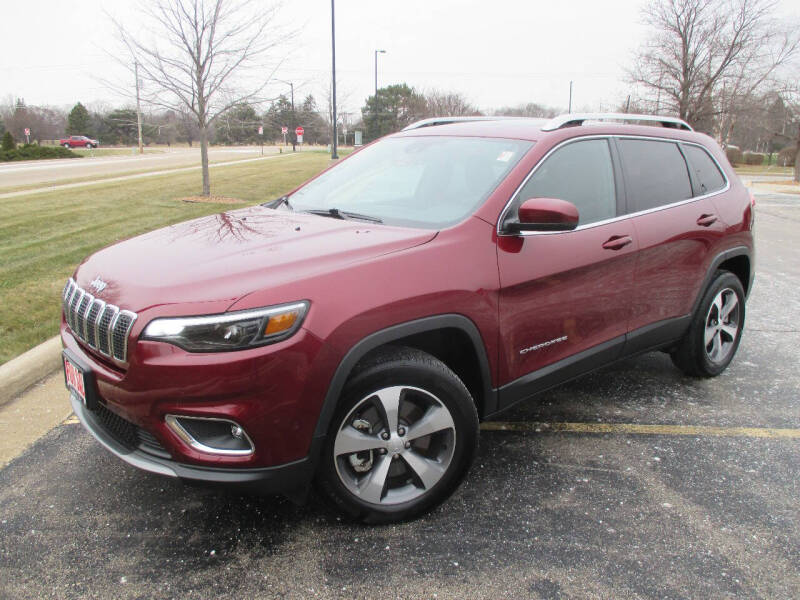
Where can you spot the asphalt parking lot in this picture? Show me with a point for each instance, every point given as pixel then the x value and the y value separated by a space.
pixel 704 505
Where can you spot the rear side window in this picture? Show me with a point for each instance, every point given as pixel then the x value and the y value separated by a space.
pixel 581 173
pixel 705 170
pixel 655 173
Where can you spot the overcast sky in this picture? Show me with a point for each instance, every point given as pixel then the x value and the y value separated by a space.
pixel 496 53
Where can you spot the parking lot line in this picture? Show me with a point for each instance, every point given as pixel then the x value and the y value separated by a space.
pixel 626 428
pixel 641 429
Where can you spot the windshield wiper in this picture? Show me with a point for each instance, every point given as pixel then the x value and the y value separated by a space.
pixel 343 214
pixel 278 202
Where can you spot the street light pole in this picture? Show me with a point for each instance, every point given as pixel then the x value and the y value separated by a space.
pixel 333 78
pixel 292 134
pixel 377 112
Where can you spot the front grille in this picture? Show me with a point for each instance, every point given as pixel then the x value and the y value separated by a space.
pixel 128 434
pixel 103 327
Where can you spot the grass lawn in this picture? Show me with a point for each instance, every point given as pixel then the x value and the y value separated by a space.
pixel 43 237
pixel 764 170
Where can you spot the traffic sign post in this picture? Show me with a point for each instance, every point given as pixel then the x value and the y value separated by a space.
pixel 27 135
pixel 299 132
pixel 284 131
pixel 261 135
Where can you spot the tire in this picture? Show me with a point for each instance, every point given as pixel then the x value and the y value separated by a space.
pixel 67 146
pixel 402 477
pixel 695 355
pixel 89 146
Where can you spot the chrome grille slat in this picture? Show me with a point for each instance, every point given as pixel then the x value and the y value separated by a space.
pixel 103 327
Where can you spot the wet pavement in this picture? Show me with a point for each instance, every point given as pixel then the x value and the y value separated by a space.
pixel 543 514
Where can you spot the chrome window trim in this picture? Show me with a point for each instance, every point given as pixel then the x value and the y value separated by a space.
pixel 178 429
pixel 507 207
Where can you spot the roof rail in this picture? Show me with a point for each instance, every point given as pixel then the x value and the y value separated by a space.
pixel 447 120
pixel 570 120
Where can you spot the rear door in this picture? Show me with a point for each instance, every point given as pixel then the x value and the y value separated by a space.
pixel 676 224
pixel 565 296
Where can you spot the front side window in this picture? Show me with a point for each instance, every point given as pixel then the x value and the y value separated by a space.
pixel 705 170
pixel 581 173
pixel 655 173
pixel 416 181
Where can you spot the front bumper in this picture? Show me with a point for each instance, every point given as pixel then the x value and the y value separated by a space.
pixel 276 479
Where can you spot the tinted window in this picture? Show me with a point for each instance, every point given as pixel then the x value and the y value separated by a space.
pixel 708 175
pixel 580 173
pixel 655 173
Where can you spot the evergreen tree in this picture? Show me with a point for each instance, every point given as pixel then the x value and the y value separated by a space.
pixel 397 106
pixel 8 141
pixel 78 121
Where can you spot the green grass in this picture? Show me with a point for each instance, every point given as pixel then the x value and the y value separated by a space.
pixel 763 170
pixel 43 237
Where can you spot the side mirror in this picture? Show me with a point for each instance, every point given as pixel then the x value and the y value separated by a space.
pixel 545 214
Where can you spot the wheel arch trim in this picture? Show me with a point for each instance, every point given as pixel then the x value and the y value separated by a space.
pixel 714 265
pixel 392 334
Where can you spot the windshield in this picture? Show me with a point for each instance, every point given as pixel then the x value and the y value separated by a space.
pixel 428 182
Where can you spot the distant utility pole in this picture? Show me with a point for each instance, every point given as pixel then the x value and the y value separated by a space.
pixel 628 104
pixel 138 106
pixel 569 110
pixel 333 78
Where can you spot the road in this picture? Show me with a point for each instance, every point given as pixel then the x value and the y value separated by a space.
pixel 49 172
pixel 704 505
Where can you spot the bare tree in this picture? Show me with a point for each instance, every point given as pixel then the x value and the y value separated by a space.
pixel 449 104
pixel 705 55
pixel 205 57
pixel 531 109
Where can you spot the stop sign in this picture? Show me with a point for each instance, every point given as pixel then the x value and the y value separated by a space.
pixel 284 130
pixel 299 130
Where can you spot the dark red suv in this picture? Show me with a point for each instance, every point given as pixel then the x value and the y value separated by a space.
pixel 355 331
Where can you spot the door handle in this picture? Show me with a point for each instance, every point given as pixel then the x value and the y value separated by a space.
pixel 706 220
pixel 617 242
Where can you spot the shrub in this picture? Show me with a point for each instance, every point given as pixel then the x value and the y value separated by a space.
pixel 8 142
pixel 787 156
pixel 753 158
pixel 35 152
pixel 735 156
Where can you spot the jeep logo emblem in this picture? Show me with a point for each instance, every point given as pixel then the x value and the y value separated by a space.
pixel 98 284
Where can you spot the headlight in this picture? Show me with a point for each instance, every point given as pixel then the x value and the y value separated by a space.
pixel 229 331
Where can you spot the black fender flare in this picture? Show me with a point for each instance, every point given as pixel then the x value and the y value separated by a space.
pixel 394 333
pixel 715 263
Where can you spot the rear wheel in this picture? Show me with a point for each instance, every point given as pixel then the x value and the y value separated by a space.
pixel 402 440
pixel 716 330
pixel 67 146
pixel 89 146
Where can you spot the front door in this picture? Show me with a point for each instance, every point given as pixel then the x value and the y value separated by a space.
pixel 565 296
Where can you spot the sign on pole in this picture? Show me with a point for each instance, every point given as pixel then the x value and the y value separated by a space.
pixel 28 135
pixel 299 131
pixel 284 130
pixel 260 130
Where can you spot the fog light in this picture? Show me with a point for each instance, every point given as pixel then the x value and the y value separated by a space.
pixel 211 435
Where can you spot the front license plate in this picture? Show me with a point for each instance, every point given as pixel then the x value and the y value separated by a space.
pixel 75 381
pixel 78 381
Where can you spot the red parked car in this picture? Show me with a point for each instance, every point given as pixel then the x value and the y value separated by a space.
pixel 355 331
pixel 78 141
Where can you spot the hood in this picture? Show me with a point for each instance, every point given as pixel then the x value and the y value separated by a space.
pixel 220 258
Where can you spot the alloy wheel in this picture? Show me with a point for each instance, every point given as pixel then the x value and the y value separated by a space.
pixel 394 445
pixel 722 325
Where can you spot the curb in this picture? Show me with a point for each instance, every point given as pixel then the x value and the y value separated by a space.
pixel 22 372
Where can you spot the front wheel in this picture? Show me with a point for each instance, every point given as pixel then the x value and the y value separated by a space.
pixel 403 438
pixel 89 146
pixel 67 146
pixel 716 330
